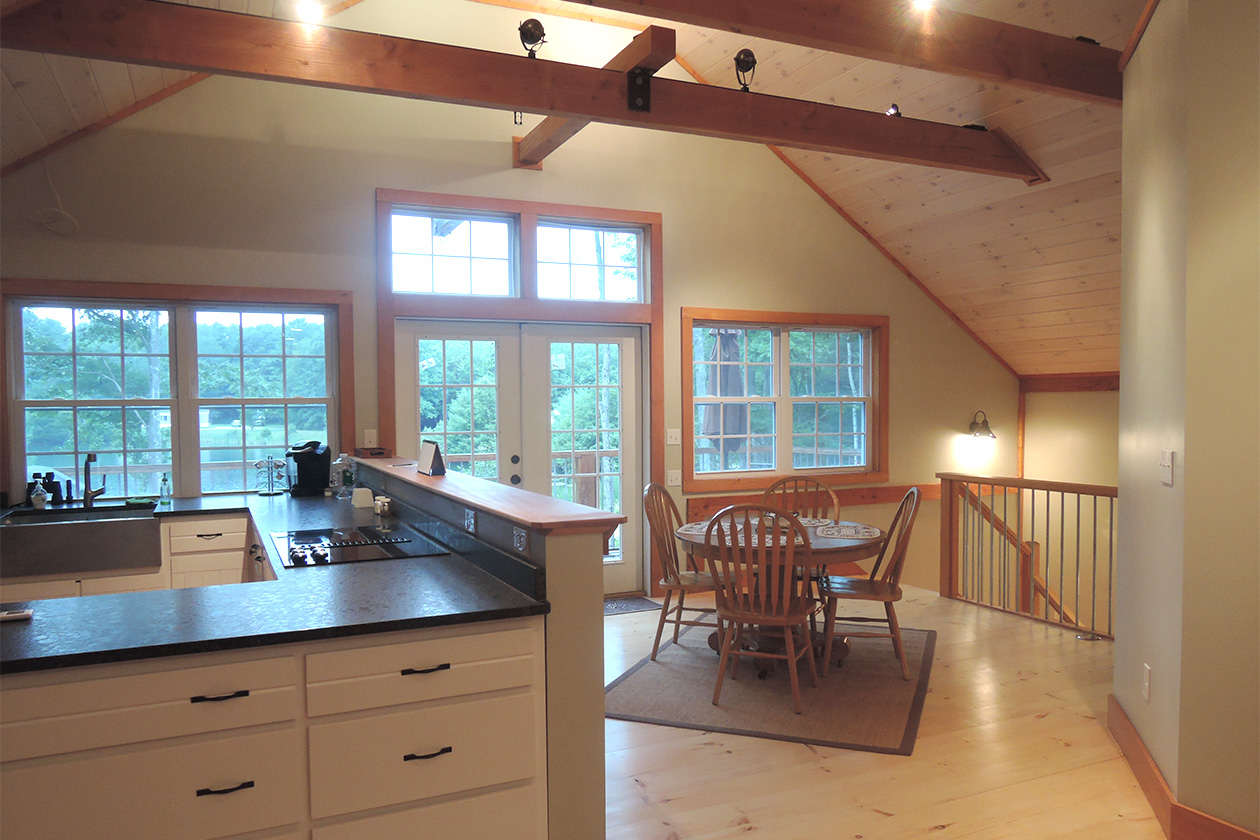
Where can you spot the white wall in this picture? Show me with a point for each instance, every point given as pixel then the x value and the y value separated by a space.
pixel 1072 437
pixel 1190 368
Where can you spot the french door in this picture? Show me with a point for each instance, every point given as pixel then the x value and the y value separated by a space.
pixel 551 408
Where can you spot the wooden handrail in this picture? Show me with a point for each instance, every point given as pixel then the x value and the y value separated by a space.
pixel 1033 484
pixel 1032 589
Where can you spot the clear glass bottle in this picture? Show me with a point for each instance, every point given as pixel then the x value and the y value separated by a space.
pixel 342 478
pixel 164 490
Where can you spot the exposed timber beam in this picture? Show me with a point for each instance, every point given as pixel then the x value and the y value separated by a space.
pixel 209 41
pixel 888 30
pixel 650 50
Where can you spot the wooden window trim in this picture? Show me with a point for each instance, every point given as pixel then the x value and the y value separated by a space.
pixel 528 307
pixel 879 327
pixel 340 301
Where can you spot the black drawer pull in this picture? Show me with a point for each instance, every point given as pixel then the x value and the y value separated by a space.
pixel 209 536
pixel 219 698
pixel 414 757
pixel 224 791
pixel 445 666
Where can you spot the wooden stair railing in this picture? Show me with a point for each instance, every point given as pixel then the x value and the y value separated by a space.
pixel 998 551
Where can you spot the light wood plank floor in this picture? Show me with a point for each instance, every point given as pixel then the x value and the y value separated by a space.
pixel 1013 744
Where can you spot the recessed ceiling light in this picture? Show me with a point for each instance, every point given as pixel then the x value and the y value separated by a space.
pixel 922 5
pixel 310 11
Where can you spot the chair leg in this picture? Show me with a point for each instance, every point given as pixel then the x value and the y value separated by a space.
pixel 896 637
pixel 660 625
pixel 726 651
pixel 829 632
pixel 682 597
pixel 737 646
pixel 790 649
pixel 809 655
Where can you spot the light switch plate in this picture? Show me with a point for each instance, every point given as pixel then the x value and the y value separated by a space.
pixel 1167 459
pixel 370 438
pixel 673 437
pixel 673 478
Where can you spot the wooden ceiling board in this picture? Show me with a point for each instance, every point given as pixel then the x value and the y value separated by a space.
pixel 1032 271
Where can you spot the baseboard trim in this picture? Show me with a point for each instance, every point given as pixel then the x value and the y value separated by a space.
pixel 1178 821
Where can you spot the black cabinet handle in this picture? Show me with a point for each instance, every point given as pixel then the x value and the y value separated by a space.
pixel 224 791
pixel 445 666
pixel 219 698
pixel 414 757
pixel 210 536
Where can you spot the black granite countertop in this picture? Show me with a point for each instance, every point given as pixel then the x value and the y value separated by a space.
pixel 301 605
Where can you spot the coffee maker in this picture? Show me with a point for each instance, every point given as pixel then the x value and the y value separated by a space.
pixel 312 463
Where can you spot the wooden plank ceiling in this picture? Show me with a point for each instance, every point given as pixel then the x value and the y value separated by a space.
pixel 1033 272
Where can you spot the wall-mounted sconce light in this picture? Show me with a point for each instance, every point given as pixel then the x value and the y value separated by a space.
pixel 980 426
pixel 893 110
pixel 745 68
pixel 532 36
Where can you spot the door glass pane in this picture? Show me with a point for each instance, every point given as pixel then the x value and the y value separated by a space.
pixel 586 426
pixel 459 403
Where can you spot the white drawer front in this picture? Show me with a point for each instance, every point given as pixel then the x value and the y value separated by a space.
pixel 52 719
pixel 415 671
pixel 154 793
pixel 376 760
pixel 208 540
pixel 181 526
pixel 515 814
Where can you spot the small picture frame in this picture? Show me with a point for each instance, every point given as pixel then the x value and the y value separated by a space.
pixel 429 461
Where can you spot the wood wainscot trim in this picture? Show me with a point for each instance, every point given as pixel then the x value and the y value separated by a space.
pixel 1178 821
pixel 1069 383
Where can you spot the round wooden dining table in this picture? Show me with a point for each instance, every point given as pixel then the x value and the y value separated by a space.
pixel 830 552
pixel 834 554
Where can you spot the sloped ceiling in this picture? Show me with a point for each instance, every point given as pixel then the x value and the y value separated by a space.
pixel 1033 272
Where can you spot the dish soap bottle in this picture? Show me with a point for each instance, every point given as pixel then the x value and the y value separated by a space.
pixel 164 491
pixel 39 497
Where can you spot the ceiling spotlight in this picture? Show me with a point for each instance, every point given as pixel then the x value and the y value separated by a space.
pixel 980 426
pixel 893 110
pixel 309 11
pixel 922 5
pixel 532 36
pixel 745 67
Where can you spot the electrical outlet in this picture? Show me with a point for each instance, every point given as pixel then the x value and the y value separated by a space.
pixel 1146 682
pixel 370 438
pixel 470 520
pixel 673 437
pixel 673 478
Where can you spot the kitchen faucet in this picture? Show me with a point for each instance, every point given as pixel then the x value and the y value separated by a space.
pixel 88 493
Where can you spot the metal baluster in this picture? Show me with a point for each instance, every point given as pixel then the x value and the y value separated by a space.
pixel 1077 611
pixel 1111 563
pixel 1062 541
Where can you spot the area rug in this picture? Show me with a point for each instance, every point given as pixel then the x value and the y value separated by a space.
pixel 616 606
pixel 862 705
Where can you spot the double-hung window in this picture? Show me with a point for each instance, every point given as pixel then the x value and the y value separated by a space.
pixel 768 394
pixel 200 393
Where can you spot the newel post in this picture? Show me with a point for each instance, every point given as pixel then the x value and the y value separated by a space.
pixel 950 491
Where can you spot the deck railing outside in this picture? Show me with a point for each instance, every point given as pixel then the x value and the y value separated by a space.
pixel 1045 549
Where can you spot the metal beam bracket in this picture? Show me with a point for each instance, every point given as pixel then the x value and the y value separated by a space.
pixel 639 89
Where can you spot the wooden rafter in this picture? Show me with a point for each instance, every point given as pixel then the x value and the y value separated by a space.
pixel 889 30
pixel 650 50
pixel 209 41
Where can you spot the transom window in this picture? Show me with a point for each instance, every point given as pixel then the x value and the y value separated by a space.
pixel 767 399
pixel 444 251
pixel 102 379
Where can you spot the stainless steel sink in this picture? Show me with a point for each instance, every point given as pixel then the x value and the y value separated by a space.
pixel 78 540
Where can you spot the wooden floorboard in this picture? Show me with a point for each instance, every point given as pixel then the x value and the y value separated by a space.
pixel 1013 743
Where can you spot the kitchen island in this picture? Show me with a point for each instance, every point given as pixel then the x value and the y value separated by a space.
pixel 358 657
